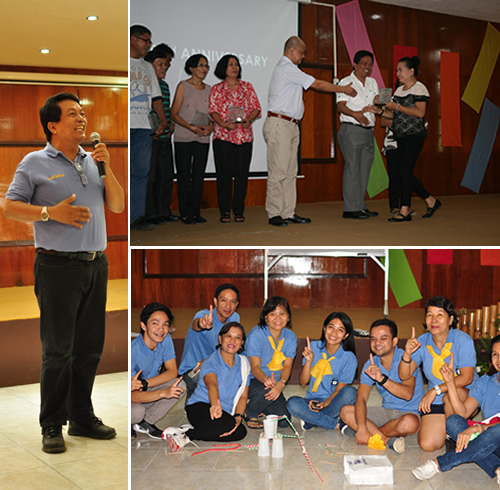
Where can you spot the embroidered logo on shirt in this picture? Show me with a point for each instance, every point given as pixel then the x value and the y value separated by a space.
pixel 58 176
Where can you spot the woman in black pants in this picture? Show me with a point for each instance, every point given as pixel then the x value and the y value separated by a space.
pixel 408 110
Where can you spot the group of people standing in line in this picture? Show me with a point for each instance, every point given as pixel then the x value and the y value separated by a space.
pixel 231 377
pixel 226 113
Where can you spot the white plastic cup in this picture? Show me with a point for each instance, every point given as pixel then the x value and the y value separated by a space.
pixel 277 447
pixel 271 426
pixel 263 446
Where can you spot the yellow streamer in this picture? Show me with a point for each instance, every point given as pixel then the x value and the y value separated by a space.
pixel 483 69
pixel 276 363
pixel 321 368
pixel 438 360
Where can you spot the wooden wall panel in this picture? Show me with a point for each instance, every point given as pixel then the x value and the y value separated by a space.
pixel 466 283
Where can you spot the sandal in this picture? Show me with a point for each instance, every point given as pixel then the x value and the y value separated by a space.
pixel 239 218
pixel 225 218
pixel 253 422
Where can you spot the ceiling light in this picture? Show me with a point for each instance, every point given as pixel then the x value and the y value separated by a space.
pixel 45 51
pixel 92 17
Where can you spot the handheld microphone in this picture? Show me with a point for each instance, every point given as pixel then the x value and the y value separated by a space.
pixel 95 138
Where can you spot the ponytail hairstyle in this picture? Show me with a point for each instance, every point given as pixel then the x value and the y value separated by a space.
pixel 412 62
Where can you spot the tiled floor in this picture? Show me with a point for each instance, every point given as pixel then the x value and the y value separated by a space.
pixel 87 464
pixel 153 468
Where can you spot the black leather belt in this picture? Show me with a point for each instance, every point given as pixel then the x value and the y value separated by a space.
pixel 87 256
pixel 357 125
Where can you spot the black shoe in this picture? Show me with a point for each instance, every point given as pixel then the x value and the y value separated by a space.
pixel 401 218
pixel 52 439
pixel 171 218
pixel 142 225
pixel 354 215
pixel 133 433
pixel 150 429
pixel 93 428
pixel 369 213
pixel 156 221
pixel 298 219
pixel 431 211
pixel 188 221
pixel 199 219
pixel 277 221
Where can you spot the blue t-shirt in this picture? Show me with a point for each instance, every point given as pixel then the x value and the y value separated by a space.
pixel 259 345
pixel 200 345
pixel 388 399
pixel 45 178
pixel 464 355
pixel 150 361
pixel 486 390
pixel 228 379
pixel 343 366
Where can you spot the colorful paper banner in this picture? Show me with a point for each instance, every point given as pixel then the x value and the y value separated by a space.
pixel 355 34
pixel 399 52
pixel 441 257
pixel 451 129
pixel 401 279
pixel 490 257
pixel 482 147
pixel 378 180
pixel 475 91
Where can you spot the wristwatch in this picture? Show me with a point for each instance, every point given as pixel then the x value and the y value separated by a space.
pixel 144 385
pixel 383 381
pixel 437 388
pixel 44 215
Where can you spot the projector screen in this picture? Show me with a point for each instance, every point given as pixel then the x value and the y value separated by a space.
pixel 254 30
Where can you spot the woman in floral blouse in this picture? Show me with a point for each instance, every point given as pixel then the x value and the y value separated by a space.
pixel 234 107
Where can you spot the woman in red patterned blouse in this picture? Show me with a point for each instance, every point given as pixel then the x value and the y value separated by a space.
pixel 234 107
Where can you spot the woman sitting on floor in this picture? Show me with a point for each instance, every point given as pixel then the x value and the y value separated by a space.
pixel 478 443
pixel 335 363
pixel 218 403
pixel 432 350
pixel 271 348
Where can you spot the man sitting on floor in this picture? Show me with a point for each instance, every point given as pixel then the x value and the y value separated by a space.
pixel 153 362
pixel 398 417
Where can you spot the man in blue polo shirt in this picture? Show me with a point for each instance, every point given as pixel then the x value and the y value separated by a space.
pixel 203 334
pixel 59 189
pixel 398 417
pixel 153 356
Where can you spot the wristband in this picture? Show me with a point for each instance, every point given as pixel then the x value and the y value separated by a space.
pixel 238 415
pixel 437 389
pixel 397 108
pixel 406 362
pixel 384 380
pixel 144 385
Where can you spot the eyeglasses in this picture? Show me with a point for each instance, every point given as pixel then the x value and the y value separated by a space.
pixel 83 178
pixel 147 41
pixel 203 66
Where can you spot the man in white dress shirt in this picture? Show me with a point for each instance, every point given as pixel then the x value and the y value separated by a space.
pixel 281 130
pixel 355 136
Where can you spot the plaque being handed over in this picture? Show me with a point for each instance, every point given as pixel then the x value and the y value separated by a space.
pixel 200 119
pixel 384 96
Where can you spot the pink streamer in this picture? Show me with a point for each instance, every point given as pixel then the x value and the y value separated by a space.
pixel 355 35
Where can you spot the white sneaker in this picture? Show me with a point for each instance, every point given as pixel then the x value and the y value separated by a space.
pixel 426 471
pixel 397 444
pixel 175 439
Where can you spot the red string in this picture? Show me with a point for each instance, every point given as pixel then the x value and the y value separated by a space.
pixel 219 447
